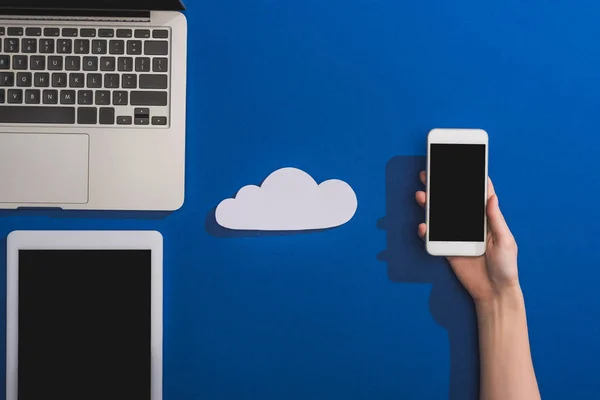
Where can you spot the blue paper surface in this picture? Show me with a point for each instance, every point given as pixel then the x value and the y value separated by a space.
pixel 348 89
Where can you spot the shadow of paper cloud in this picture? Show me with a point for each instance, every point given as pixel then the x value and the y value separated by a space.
pixel 408 263
pixel 213 228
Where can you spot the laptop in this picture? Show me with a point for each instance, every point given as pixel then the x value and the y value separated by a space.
pixel 92 104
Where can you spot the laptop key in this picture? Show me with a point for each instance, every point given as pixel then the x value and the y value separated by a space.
pixel 125 64
pixel 124 33
pixel 11 45
pixel 153 81
pixel 76 80
pixel 69 32
pixel 82 46
pixel 90 63
pixel 148 98
pixel 134 47
pixel 29 46
pixel 2 96
pixel 160 34
pixel 106 33
pixel 15 96
pixel 87 32
pixel 50 96
pixel 4 61
pixel 65 46
pixel 67 97
pixel 47 46
pixel 159 120
pixel 24 79
pixel 111 81
pixel 20 62
pixel 59 79
pixel 124 120
pixel 85 97
pixel 107 116
pixel 51 32
pixel 55 63
pixel 116 47
pixel 15 31
pixel 142 112
pixel 108 64
pixel 142 64
pixel 33 32
pixel 142 33
pixel 38 63
pixel 87 116
pixel 7 79
pixel 94 81
pixel 2 31
pixel 73 63
pixel 120 98
pixel 99 46
pixel 103 98
pixel 41 79
pixel 160 64
pixel 37 115
pixel 156 48
pixel 129 81
pixel 32 96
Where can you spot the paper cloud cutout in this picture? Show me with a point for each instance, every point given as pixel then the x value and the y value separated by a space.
pixel 289 200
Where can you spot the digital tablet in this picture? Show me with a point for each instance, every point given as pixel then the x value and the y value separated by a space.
pixel 84 315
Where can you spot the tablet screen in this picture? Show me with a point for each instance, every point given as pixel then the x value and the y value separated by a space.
pixel 84 324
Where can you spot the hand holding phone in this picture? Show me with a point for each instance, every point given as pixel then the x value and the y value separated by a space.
pixel 457 174
pixel 493 274
pixel 455 182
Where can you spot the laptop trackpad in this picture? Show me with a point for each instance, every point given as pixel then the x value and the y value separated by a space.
pixel 43 168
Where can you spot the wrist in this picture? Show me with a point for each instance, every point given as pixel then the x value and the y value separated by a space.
pixel 508 301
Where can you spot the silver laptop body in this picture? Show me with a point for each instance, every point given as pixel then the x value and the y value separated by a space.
pixel 92 107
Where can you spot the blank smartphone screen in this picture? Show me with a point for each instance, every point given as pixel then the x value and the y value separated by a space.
pixel 457 198
pixel 84 324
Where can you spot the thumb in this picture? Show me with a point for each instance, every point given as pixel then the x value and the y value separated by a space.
pixel 496 221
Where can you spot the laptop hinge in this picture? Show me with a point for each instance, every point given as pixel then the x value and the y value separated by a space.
pixel 74 14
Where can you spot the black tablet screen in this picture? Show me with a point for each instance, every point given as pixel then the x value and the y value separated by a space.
pixel 84 324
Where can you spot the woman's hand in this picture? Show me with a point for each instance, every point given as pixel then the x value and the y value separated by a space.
pixel 493 282
pixel 494 274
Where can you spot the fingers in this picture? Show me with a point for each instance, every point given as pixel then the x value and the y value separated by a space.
pixel 422 231
pixel 421 198
pixel 496 221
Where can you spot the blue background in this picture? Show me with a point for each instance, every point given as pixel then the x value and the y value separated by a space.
pixel 349 89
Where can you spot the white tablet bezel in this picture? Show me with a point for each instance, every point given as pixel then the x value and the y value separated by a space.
pixel 83 240
pixel 456 136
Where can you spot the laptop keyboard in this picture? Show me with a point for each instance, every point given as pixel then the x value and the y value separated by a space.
pixel 84 76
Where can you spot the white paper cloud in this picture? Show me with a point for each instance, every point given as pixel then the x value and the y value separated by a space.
pixel 289 200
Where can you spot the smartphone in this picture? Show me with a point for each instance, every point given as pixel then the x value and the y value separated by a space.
pixel 457 182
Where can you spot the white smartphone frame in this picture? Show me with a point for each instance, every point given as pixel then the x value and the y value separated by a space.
pixel 83 240
pixel 456 136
